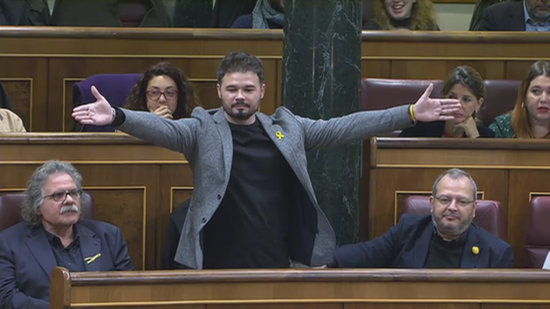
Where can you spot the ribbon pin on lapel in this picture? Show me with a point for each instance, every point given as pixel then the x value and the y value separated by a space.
pixel 475 250
pixel 279 135
pixel 90 259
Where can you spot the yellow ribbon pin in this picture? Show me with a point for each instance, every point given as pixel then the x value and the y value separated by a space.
pixel 90 259
pixel 279 135
pixel 475 250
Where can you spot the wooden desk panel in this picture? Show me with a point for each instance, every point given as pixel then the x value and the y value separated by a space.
pixel 135 185
pixel 508 170
pixel 329 288
pixel 432 54
pixel 47 61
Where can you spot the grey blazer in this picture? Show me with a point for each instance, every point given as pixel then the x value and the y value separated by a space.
pixel 205 139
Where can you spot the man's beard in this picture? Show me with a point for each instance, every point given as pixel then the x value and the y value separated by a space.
pixel 239 114
pixel 450 230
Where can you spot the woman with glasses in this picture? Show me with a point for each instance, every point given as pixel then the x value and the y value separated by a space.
pixel 163 90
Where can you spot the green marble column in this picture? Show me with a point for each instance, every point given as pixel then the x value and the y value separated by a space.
pixel 322 73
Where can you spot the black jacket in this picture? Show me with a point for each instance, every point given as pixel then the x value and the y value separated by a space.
pixel 504 16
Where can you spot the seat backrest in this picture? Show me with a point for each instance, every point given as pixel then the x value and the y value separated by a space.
pixel 381 93
pixel 132 12
pixel 537 243
pixel 489 213
pixel 500 98
pixel 10 208
pixel 114 87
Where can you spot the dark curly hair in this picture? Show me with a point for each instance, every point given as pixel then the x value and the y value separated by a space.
pixel 239 61
pixel 187 100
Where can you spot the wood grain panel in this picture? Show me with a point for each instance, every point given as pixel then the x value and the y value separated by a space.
pixel 297 288
pixel 207 93
pixel 125 208
pixel 517 69
pixel 524 184
pixel 438 69
pixel 514 306
pixel 19 91
pixel 276 306
pixel 412 306
pixel 26 83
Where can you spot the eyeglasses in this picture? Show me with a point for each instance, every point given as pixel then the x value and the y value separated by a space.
pixel 62 195
pixel 154 94
pixel 447 200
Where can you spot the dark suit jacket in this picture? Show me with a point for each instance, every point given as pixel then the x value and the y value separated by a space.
pixel 436 128
pixel 104 13
pixel 12 13
pixel 406 245
pixel 27 12
pixel 26 260
pixel 504 16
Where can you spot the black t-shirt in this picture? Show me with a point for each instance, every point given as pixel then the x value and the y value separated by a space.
pixel 445 254
pixel 69 257
pixel 251 227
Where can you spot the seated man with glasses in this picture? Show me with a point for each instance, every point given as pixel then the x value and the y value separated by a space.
pixel 445 239
pixel 51 235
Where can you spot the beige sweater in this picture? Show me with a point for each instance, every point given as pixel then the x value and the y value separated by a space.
pixel 10 122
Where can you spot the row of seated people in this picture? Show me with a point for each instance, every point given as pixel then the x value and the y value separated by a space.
pixel 377 14
pixel 144 13
pixel 489 215
pixel 488 15
pixel 129 13
pixel 490 108
pixel 449 229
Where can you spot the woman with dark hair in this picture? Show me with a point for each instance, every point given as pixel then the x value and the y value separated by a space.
pixel 530 117
pixel 163 90
pixel 465 84
pixel 402 14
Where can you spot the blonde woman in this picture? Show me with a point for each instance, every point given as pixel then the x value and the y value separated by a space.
pixel 402 14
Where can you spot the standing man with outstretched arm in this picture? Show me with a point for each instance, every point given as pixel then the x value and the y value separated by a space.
pixel 253 205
